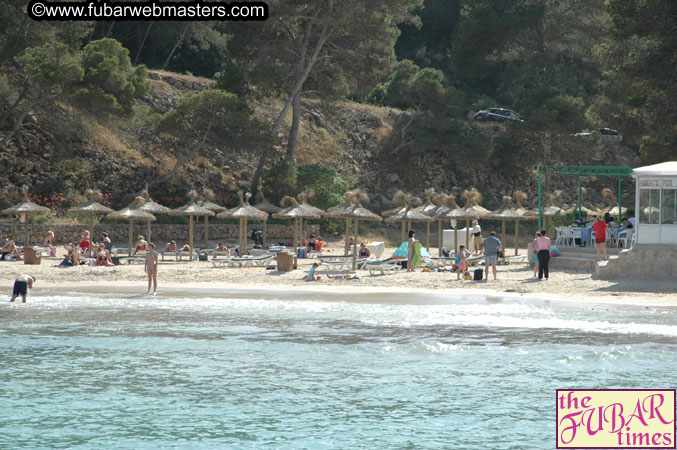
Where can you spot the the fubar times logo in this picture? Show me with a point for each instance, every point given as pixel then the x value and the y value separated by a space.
pixel 616 418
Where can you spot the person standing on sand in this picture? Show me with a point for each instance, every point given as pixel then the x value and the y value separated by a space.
pixel 491 246
pixel 477 235
pixel 599 227
pixel 21 286
pixel 151 267
pixel 534 246
pixel 544 247
pixel 410 254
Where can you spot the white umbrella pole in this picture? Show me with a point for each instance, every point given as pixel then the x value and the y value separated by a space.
pixel 427 236
pixel 456 238
pixel 404 232
pixel 503 236
pixel 467 234
pixel 355 246
pixel 347 243
pixel 265 234
pixel 517 232
pixel 148 239
pixel 28 242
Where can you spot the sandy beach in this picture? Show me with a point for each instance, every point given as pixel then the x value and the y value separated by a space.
pixel 198 279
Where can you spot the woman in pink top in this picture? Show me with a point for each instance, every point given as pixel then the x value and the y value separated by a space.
pixel 543 244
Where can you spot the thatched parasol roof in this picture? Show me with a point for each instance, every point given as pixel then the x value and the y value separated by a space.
pixel 451 210
pixel 303 198
pixel 92 206
pixel 472 209
pixel 295 211
pixel 520 212
pixel 429 207
pixel 409 214
pixel 26 206
pixel 505 211
pixel 207 202
pixel 244 210
pixel 400 202
pixel 192 208
pixel 356 211
pixel 132 212
pixel 265 205
pixel 340 211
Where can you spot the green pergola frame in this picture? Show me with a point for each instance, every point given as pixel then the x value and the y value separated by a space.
pixel 595 171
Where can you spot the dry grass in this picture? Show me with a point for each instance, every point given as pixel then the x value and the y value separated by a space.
pixel 183 77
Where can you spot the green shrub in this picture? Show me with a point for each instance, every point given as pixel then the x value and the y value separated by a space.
pixel 110 83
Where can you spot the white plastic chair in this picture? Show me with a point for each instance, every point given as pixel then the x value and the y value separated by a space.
pixel 627 237
pixel 560 236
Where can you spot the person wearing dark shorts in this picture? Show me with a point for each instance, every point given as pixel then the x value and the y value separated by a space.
pixel 543 244
pixel 599 227
pixel 491 246
pixel 21 286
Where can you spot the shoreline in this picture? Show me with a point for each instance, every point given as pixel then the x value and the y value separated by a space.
pixel 347 293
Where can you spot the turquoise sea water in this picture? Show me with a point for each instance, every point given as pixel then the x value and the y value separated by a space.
pixel 434 372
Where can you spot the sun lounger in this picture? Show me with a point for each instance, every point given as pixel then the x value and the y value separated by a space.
pixel 384 269
pixel 246 261
pixel 139 257
pixel 441 261
pixel 341 263
pixel 174 253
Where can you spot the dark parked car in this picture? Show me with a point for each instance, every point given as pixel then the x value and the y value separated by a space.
pixel 606 134
pixel 496 115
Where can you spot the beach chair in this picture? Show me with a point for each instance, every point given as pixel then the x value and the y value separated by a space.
pixel 436 262
pixel 245 261
pixel 174 253
pixel 384 269
pixel 336 258
pixel 344 263
pixel 221 253
pixel 186 254
pixel 139 257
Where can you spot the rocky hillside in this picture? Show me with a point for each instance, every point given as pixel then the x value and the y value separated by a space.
pixel 66 151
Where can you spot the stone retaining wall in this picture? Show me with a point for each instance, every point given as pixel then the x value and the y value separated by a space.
pixel 641 261
pixel 161 233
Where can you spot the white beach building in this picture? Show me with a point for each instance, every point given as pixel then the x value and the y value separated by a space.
pixel 656 204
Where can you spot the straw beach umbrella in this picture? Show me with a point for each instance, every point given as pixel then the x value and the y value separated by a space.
pixel 207 203
pixel 340 212
pixel 399 201
pixel 455 213
pixel 355 211
pixel 267 207
pixel 295 212
pixel 521 213
pixel 438 215
pixel 152 207
pixel 428 208
pixel 244 212
pixel 132 213
pixel 303 199
pixel 92 207
pixel 26 207
pixel 191 210
pixel 472 210
pixel 503 213
pixel 408 215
